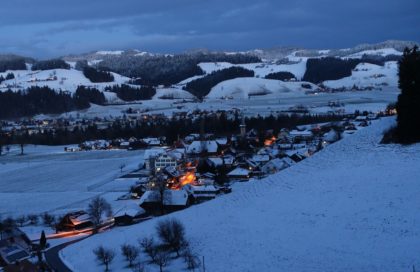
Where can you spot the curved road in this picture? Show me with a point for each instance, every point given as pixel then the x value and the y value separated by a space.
pixel 53 259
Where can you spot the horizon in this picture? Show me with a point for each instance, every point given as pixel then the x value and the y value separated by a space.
pixel 61 29
pixel 188 50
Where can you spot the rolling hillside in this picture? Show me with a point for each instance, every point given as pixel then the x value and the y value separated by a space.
pixel 351 207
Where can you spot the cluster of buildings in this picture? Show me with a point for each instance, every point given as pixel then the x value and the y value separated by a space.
pixel 200 166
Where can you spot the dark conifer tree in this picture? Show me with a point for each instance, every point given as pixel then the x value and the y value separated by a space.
pixel 408 105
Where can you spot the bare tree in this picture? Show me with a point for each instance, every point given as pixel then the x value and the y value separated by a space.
pixel 172 233
pixel 149 247
pixel 138 267
pixel 33 219
pixel 8 224
pixel 104 255
pixel 130 253
pixel 162 259
pixel 47 219
pixel 98 207
pixel 191 259
pixel 20 220
pixel 160 185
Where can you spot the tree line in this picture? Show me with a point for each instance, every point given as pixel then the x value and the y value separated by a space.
pixel 12 64
pixel 330 68
pixel 50 64
pixel 167 69
pixel 129 93
pixel 37 100
pixel 97 76
pixel 171 129
pixel 281 76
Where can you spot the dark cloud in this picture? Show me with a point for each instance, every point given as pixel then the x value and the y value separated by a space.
pixel 46 28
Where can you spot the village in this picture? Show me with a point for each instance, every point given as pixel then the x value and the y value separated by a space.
pixel 196 168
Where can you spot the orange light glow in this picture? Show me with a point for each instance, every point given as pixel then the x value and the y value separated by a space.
pixel 188 178
pixel 270 141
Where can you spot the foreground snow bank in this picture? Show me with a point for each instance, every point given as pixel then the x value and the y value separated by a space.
pixel 352 207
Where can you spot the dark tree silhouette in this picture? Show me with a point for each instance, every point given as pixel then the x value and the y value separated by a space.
pixel 408 105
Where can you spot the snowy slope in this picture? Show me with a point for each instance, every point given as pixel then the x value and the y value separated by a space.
pixel 241 88
pixel 261 69
pixel 366 74
pixel 378 52
pixel 172 93
pixel 351 207
pixel 67 80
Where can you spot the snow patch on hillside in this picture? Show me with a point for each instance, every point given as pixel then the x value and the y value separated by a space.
pixel 115 52
pixel 379 52
pixel 243 88
pixel 172 93
pixel 260 69
pixel 369 75
pixel 57 79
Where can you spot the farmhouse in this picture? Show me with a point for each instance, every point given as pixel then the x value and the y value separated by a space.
pixel 239 174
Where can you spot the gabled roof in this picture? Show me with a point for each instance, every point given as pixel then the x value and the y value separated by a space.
pixel 196 147
pixel 151 153
pixel 239 172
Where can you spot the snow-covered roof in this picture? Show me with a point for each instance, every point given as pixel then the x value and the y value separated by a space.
pixel 196 147
pixel 221 141
pixel 171 197
pixel 215 161
pixel 152 153
pixel 239 172
pixel 131 209
pixel 260 158
pixel 303 133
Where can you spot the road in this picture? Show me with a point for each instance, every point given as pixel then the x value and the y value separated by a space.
pixel 53 259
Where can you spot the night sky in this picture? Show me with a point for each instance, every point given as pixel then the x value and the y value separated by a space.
pixel 50 28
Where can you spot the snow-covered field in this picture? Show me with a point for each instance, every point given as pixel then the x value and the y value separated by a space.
pixel 351 207
pixel 49 179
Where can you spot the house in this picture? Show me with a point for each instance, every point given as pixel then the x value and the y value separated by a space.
pixel 199 147
pixel 260 159
pixel 173 200
pixel 201 192
pixel 276 165
pixel 15 246
pixel 219 161
pixel 129 214
pixel 152 141
pixel 239 174
pixel 150 155
pixel 331 136
pixel 75 221
pixel 296 135
pixel 164 160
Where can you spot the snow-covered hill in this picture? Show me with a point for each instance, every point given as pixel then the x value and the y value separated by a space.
pixel 298 67
pixel 351 207
pixel 369 75
pixel 243 88
pixel 58 79
pixel 172 93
